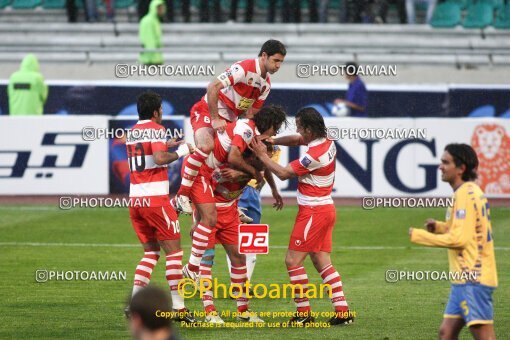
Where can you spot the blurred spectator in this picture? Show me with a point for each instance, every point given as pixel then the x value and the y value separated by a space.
pixel 356 97
pixel 411 15
pixel 150 33
pixel 143 8
pixel 248 16
pixel 381 10
pixel 271 11
pixel 27 91
pixel 185 8
pixel 323 11
pixel 110 9
pixel 72 12
pixel 359 11
pixel 205 8
pixel 90 10
pixel 144 321
pixel 291 11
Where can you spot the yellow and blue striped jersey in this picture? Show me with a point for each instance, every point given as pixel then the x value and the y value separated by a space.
pixel 467 233
pixel 275 157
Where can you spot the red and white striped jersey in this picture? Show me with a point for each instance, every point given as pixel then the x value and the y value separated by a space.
pixel 239 133
pixel 147 179
pixel 226 192
pixel 316 171
pixel 244 87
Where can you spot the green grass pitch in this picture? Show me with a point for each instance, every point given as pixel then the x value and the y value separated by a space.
pixel 366 244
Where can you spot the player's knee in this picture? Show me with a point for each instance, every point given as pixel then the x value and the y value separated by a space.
pixel 205 147
pixel 290 262
pixel 209 220
pixel 444 333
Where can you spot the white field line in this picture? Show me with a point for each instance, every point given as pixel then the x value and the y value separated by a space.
pixel 132 245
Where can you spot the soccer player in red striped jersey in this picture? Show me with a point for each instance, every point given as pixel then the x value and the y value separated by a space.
pixel 241 89
pixel 313 228
pixel 228 186
pixel 228 146
pixel 156 225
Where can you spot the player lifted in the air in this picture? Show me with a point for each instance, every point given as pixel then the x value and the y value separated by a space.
pixel 155 225
pixel 241 89
pixel 228 186
pixel 312 233
pixel 228 146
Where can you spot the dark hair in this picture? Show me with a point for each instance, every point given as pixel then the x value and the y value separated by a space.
pixel 270 116
pixel 464 154
pixel 146 302
pixel 147 103
pixel 311 119
pixel 351 64
pixel 272 47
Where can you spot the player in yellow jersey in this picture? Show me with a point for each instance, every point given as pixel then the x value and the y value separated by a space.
pixel 467 233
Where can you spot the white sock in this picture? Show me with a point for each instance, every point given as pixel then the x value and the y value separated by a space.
pixel 251 259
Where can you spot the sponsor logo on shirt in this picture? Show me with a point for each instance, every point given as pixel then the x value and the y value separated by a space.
pixel 460 214
pixel 247 134
pixel 305 161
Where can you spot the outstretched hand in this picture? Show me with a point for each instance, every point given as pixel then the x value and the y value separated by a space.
pixel 172 143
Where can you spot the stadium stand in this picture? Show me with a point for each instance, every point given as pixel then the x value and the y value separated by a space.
pixel 408 45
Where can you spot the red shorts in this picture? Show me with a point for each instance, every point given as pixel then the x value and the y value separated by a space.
pixel 313 229
pixel 200 116
pixel 227 226
pixel 154 224
pixel 201 190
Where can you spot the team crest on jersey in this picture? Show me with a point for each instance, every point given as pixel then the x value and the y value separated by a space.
pixel 460 214
pixel 247 134
pixel 250 81
pixel 305 161
pixel 298 243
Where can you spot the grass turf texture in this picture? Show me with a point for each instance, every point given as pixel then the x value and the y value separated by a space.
pixel 366 244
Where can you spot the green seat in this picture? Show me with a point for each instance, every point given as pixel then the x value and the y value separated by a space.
pixel 495 4
pixel 4 3
pixel 240 4
pixel 503 18
pixel 26 4
pixel 461 3
pixel 54 4
pixel 124 3
pixel 446 14
pixel 479 16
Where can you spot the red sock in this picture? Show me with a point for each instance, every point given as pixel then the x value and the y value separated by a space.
pixel 330 276
pixel 144 269
pixel 192 165
pixel 238 276
pixel 173 276
pixel 298 277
